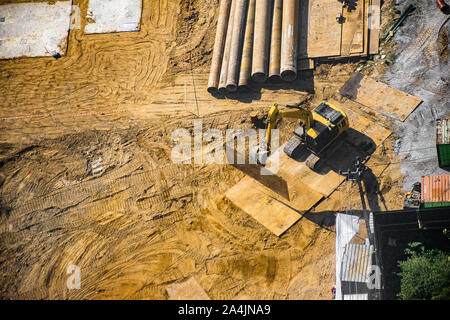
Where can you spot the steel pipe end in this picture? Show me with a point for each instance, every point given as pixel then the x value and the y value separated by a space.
pixel 243 87
pixel 223 90
pixel 288 75
pixel 259 77
pixel 213 90
pixel 275 78
pixel 231 88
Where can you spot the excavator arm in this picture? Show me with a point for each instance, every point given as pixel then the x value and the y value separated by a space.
pixel 292 112
pixel 261 153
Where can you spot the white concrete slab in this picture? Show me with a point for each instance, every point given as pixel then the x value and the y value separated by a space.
pixel 113 16
pixel 34 29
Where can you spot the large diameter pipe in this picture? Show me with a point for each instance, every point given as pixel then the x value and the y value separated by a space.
pixel 236 45
pixel 275 42
pixel 226 52
pixel 261 41
pixel 219 45
pixel 247 50
pixel 289 40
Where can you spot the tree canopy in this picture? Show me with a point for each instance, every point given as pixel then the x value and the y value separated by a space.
pixel 425 274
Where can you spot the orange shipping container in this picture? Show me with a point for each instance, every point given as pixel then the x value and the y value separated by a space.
pixel 436 189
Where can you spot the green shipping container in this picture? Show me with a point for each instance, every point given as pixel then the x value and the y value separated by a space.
pixel 436 204
pixel 443 142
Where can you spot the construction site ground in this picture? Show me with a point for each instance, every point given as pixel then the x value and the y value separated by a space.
pixel 86 175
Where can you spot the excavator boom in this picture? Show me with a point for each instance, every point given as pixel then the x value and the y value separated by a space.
pixel 292 112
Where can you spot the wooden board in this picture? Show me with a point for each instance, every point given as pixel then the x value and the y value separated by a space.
pixel 321 36
pixel 374 26
pixel 353 28
pixel 273 211
pixel 366 27
pixel 187 290
pixel 379 96
pixel 364 125
pixel 324 31
pixel 295 188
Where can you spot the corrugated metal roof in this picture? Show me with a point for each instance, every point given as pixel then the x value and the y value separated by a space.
pixel 361 296
pixel 356 263
pixel 436 188
pixel 443 131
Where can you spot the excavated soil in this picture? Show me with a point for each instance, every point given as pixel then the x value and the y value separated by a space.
pixel 86 175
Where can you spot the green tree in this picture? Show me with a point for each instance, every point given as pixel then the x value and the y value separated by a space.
pixel 425 274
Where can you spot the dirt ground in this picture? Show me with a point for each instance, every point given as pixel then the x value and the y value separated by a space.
pixel 86 175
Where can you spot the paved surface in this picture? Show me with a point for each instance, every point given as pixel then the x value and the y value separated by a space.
pixel 418 71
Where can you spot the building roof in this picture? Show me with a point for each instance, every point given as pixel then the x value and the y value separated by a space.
pixel 436 188
pixel 356 263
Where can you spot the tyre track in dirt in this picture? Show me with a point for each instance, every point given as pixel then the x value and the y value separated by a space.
pixel 140 224
pixel 99 73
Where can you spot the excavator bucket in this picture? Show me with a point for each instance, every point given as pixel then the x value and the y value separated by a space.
pixel 259 155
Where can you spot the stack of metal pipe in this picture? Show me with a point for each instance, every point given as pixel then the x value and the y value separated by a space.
pixel 256 40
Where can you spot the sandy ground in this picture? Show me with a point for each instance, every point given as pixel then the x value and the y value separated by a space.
pixel 86 176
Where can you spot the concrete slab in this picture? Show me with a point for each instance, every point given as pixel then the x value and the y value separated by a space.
pixel 187 290
pixel 106 16
pixel 34 29
pixel 278 201
pixel 379 96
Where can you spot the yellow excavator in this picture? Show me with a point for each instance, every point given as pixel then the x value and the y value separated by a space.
pixel 317 130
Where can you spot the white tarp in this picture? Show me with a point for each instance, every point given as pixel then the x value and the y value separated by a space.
pixel 113 16
pixel 34 29
pixel 346 228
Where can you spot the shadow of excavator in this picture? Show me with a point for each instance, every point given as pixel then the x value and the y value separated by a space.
pixel 342 152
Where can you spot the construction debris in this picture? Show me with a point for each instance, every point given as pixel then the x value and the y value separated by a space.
pixel 398 23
